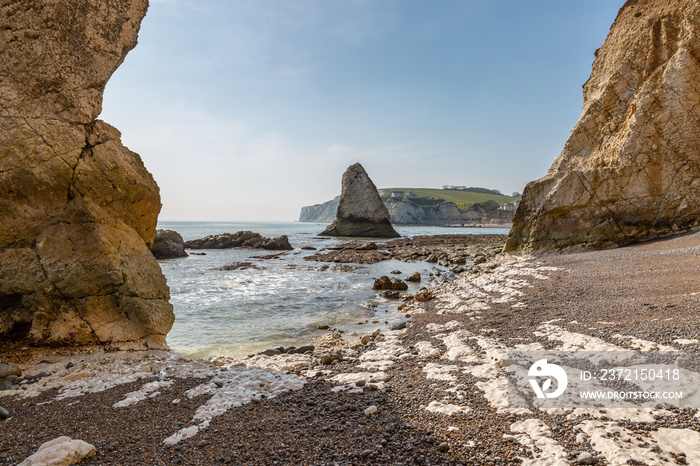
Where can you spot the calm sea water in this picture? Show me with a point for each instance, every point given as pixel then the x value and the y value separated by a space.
pixel 244 311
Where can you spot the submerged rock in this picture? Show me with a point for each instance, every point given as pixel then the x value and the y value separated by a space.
pixel 240 239
pixel 630 170
pixel 78 210
pixel 361 212
pixel 168 245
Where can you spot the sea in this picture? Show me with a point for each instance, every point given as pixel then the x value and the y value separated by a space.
pixel 279 301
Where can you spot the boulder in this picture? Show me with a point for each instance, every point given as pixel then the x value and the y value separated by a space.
pixel 630 170
pixel 415 277
pixel 423 294
pixel 168 245
pixel 389 283
pixel 361 212
pixel 78 210
pixel 62 451
pixel 240 239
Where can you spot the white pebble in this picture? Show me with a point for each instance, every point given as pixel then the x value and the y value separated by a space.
pixel 371 410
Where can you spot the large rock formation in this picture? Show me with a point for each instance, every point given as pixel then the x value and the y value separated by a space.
pixel 630 170
pixel 361 211
pixel 77 209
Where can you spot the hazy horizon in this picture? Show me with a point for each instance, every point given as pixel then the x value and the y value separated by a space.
pixel 248 110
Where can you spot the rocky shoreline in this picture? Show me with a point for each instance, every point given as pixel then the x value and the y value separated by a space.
pixel 432 393
pixel 445 250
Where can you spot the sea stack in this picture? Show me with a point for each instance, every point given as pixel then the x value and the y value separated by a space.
pixel 361 212
pixel 630 170
pixel 78 210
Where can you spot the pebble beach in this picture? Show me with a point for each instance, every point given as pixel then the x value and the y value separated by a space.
pixel 434 392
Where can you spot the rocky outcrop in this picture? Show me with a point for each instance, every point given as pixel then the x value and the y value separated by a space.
pixel 78 210
pixel 630 170
pixel 361 212
pixel 168 245
pixel 320 213
pixel 240 239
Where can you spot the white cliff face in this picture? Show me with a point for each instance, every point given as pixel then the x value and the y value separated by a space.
pixel 322 213
pixel 630 170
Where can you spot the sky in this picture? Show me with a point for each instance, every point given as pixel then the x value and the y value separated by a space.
pixel 247 110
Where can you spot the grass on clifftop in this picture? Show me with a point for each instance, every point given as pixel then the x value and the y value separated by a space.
pixel 458 197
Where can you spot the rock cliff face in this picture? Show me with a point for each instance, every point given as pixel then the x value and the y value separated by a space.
pixel 405 213
pixel 630 170
pixel 361 212
pixel 77 209
pixel 321 213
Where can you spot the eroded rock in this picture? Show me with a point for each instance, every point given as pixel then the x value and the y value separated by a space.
pixel 630 169
pixel 78 210
pixel 361 212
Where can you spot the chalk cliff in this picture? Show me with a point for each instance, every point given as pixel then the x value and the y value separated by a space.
pixel 321 213
pixel 361 211
pixel 78 210
pixel 630 169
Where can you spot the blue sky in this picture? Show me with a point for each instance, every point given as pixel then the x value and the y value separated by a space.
pixel 247 110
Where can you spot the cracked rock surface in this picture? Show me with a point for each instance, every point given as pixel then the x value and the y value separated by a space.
pixel 78 210
pixel 630 170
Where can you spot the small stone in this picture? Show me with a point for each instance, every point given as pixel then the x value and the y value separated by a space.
pixel 391 294
pixel 320 326
pixel 443 447
pixel 326 358
pixel 414 278
pixel 202 443
pixel 69 364
pixel 304 349
pixel 4 414
pixel 5 384
pixel 270 352
pixel 396 272
pixel 399 325
pixel 8 368
pixel 586 458
pixel 371 410
pixel 424 294
pixel 290 350
pixel 360 383
pixel 366 339
pixel 479 260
